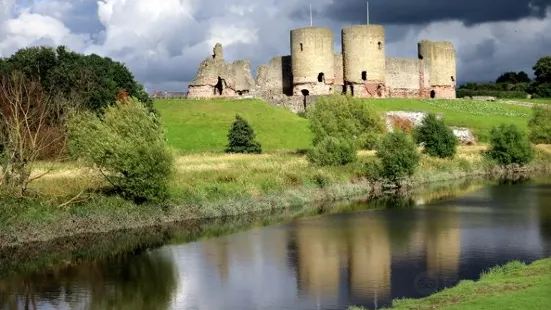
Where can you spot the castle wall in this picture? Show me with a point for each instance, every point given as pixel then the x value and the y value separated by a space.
pixel 312 57
pixel 339 73
pixel 275 77
pixel 405 77
pixel 216 78
pixel 442 65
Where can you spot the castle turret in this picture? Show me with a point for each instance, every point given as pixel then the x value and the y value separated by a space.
pixel 363 48
pixel 440 60
pixel 312 59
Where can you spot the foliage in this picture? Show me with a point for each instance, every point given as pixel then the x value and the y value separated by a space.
pixel 95 81
pixel 540 125
pixel 27 130
pixel 398 155
pixel 513 78
pixel 128 146
pixel 542 70
pixel 369 140
pixel 333 151
pixel 462 93
pixel 508 145
pixel 438 139
pixel 343 117
pixel 241 138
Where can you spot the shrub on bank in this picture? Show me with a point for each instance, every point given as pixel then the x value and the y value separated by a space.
pixel 128 146
pixel 344 117
pixel 398 155
pixel 241 138
pixel 508 145
pixel 333 151
pixel 540 125
pixel 438 139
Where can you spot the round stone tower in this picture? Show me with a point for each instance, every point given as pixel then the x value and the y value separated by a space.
pixel 363 49
pixel 441 64
pixel 312 60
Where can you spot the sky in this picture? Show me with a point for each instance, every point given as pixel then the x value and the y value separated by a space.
pixel 163 41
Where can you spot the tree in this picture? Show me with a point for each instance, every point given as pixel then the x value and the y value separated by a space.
pixel 438 139
pixel 28 129
pixel 333 151
pixel 344 117
pixel 92 79
pixel 513 78
pixel 241 138
pixel 398 155
pixel 540 125
pixel 508 145
pixel 127 145
pixel 541 85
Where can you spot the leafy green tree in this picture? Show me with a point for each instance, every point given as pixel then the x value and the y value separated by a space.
pixel 508 145
pixel 438 139
pixel 540 125
pixel 513 77
pixel 333 151
pixel 241 138
pixel 398 155
pixel 128 146
pixel 344 117
pixel 541 86
pixel 89 80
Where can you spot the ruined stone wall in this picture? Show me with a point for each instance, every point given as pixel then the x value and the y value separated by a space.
pixel 440 58
pixel 312 59
pixel 339 73
pixel 404 77
pixel 364 60
pixel 275 77
pixel 216 78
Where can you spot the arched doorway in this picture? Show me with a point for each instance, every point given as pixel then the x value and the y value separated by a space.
pixel 432 94
pixel 305 94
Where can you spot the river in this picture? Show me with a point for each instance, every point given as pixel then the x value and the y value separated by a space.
pixel 410 248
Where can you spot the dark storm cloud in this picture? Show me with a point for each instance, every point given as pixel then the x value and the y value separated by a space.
pixel 426 11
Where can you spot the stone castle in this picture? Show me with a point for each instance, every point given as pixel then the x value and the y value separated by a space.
pixel 314 69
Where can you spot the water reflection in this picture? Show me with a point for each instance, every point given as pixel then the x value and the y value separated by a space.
pixel 322 262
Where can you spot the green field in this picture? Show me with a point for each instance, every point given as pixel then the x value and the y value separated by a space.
pixel 202 125
pixel 512 286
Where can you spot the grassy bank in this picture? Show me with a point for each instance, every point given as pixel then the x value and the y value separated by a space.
pixel 206 186
pixel 195 126
pixel 512 286
pixel 202 125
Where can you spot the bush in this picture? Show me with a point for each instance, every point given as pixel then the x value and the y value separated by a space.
pixel 398 155
pixel 540 125
pixel 343 117
pixel 369 140
pixel 438 139
pixel 508 145
pixel 241 138
pixel 333 151
pixel 128 146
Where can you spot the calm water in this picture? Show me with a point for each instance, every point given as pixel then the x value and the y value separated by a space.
pixel 323 262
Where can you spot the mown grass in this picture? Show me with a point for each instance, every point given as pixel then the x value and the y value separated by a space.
pixel 511 286
pixel 195 126
pixel 202 125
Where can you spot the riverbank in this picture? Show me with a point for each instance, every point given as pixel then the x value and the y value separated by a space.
pixel 67 202
pixel 511 286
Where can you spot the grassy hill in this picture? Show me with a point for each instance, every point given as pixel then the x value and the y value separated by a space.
pixel 202 125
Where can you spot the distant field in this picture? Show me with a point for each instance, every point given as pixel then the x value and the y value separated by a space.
pixel 202 125
pixel 480 116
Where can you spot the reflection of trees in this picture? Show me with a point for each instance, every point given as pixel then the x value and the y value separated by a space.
pixel 144 281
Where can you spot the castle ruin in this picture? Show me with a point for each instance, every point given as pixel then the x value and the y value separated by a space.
pixel 313 69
